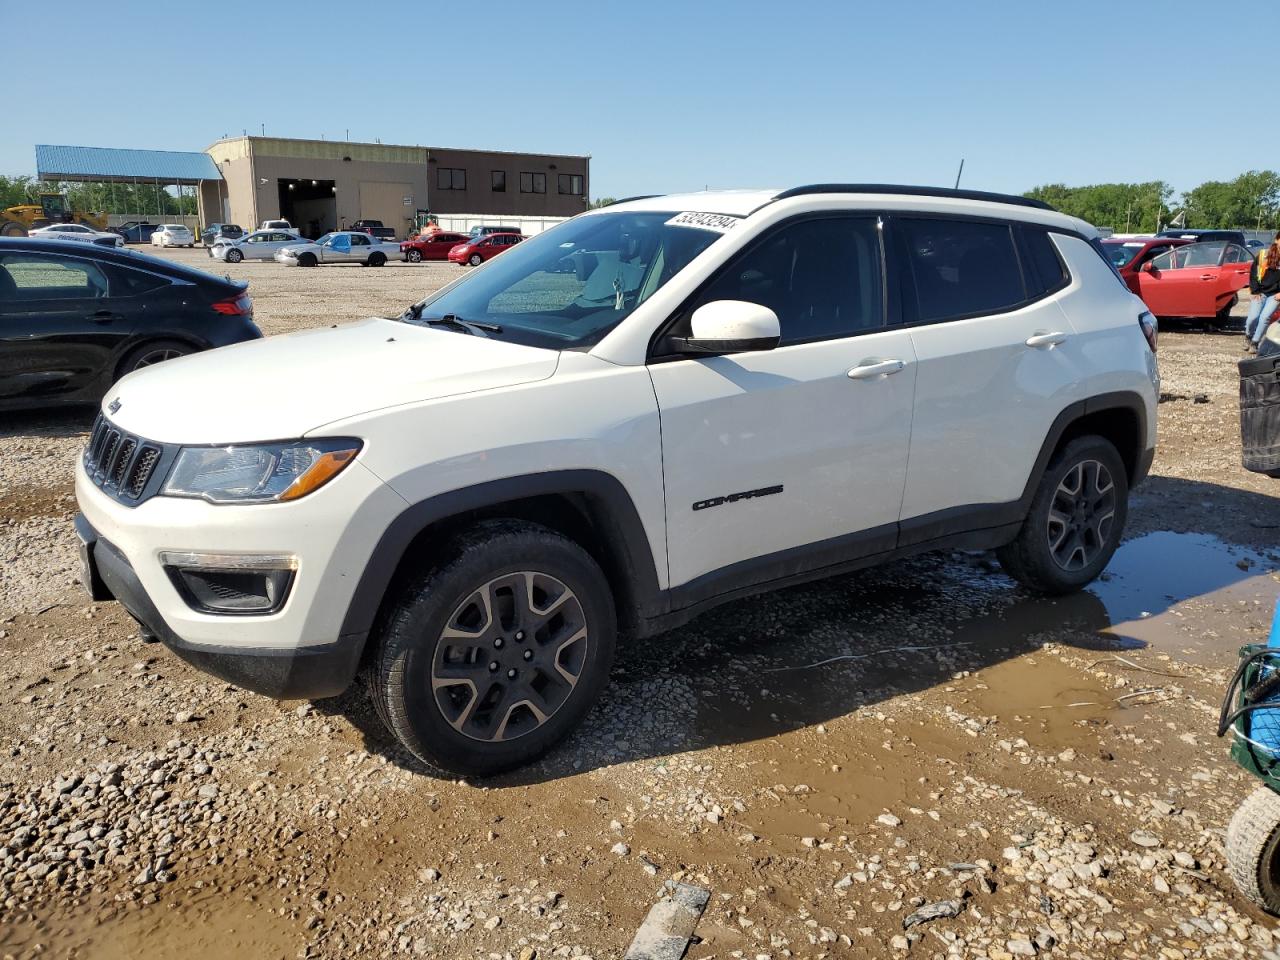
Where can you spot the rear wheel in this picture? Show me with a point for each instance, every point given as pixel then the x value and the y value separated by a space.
pixel 234 256
pixel 1075 521
pixel 496 651
pixel 476 260
pixel 149 354
pixel 1253 848
pixel 11 228
pixel 377 260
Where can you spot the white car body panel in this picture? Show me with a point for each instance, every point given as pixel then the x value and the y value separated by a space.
pixel 367 365
pixel 76 232
pixel 789 417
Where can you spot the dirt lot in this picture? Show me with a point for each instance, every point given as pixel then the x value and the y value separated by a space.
pixel 825 760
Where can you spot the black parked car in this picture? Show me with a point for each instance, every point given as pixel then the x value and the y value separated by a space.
pixel 136 231
pixel 74 318
pixel 217 231
pixel 1231 236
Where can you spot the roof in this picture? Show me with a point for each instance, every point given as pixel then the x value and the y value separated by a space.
pixel 107 163
pixel 743 203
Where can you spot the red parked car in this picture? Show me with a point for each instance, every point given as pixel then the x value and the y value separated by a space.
pixel 433 247
pixel 1195 280
pixel 1129 254
pixel 477 251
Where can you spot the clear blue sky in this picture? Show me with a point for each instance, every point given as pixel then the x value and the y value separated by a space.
pixel 671 96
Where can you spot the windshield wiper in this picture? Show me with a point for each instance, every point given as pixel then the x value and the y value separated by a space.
pixel 456 322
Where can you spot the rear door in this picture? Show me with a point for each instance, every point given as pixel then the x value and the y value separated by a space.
pixel 59 326
pixel 1236 263
pixel 1184 282
pixel 996 365
pixel 360 248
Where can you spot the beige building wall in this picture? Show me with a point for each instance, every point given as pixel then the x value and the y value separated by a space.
pixel 373 180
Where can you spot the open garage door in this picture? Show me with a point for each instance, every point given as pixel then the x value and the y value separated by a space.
pixel 386 202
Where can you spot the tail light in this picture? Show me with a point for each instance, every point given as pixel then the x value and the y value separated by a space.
pixel 1150 328
pixel 240 305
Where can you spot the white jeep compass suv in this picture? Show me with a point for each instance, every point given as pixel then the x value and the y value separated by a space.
pixel 654 408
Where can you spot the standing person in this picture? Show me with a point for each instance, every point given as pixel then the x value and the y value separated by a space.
pixel 1264 294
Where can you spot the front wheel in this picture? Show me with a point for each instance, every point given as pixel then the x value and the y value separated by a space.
pixel 476 260
pixel 307 260
pixel 496 650
pixel 414 256
pixel 1253 848
pixel 1075 521
pixel 234 256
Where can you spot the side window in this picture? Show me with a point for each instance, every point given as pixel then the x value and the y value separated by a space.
pixel 1166 261
pixel 960 268
pixel 256 238
pixel 1237 254
pixel 1206 254
pixel 821 277
pixel 126 282
pixel 29 276
pixel 1045 270
pixel 359 240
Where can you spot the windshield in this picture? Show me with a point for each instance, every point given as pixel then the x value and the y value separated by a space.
pixel 1122 253
pixel 572 284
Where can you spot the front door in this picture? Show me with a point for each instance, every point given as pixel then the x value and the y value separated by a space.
pixel 788 460
pixel 1184 282
pixel 59 328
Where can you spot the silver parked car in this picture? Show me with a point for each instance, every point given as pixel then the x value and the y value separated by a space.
pixel 259 245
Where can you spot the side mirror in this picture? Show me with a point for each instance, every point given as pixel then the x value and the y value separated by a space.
pixel 730 326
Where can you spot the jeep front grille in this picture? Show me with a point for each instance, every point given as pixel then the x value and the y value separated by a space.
pixel 119 463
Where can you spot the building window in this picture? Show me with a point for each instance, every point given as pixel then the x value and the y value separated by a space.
pixel 451 178
pixel 499 181
pixel 533 183
pixel 571 183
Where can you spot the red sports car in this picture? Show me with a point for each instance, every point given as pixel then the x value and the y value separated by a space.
pixel 433 247
pixel 477 251
pixel 1129 254
pixel 1195 280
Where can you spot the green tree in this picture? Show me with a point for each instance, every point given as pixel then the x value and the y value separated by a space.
pixel 1248 201
pixel 1128 207
pixel 602 202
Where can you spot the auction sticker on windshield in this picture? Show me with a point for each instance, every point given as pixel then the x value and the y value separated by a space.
pixel 719 222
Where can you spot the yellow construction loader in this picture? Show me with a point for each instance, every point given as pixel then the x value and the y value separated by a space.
pixel 52 208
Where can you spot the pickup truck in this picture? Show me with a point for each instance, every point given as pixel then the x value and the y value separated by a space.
pixel 373 228
pixel 346 246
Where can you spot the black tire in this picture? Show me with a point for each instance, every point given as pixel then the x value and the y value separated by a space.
pixel 151 353
pixel 475 260
pixel 234 255
pixel 1065 540
pixel 12 228
pixel 307 260
pixel 405 674
pixel 1253 848
pixel 414 256
pixel 377 259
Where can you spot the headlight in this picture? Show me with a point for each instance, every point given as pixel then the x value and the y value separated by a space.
pixel 258 473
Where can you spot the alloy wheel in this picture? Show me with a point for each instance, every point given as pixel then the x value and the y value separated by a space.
pixel 152 357
pixel 509 656
pixel 1081 515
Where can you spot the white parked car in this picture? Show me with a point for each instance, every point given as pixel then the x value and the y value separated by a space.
pixel 277 225
pixel 77 231
pixel 343 247
pixel 173 235
pixel 259 245
pixel 648 410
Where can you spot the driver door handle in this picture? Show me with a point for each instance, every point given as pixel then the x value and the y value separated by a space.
pixel 1206 276
pixel 872 369
pixel 1046 340
pixel 104 316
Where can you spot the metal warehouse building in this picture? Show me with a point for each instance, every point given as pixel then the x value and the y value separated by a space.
pixel 321 185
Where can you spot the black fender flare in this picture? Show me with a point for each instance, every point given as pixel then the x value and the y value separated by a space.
pixel 612 511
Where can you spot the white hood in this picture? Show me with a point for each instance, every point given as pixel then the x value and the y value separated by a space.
pixel 282 387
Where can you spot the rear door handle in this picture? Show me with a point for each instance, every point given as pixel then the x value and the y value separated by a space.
pixel 1047 340
pixel 1206 276
pixel 105 316
pixel 871 369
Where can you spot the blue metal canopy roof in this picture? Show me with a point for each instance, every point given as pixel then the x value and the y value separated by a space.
pixel 108 163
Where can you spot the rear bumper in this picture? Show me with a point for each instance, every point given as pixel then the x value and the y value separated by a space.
pixel 292 673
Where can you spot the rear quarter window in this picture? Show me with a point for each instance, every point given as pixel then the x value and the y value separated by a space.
pixel 1045 271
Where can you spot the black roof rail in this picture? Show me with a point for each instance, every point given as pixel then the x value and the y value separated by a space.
pixel 642 196
pixel 913 191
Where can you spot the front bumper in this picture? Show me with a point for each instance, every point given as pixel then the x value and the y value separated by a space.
pixel 294 652
pixel 307 672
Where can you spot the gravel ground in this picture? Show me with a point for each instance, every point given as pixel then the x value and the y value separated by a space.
pixel 1040 775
